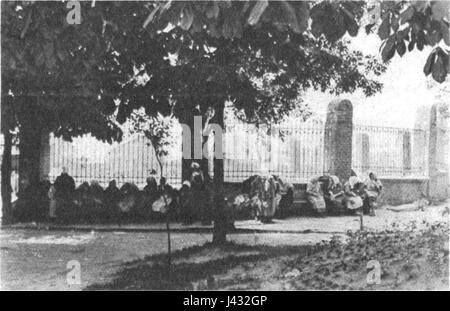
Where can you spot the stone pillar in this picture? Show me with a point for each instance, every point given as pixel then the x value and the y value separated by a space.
pixel 338 139
pixel 407 161
pixel 438 157
pixel 45 157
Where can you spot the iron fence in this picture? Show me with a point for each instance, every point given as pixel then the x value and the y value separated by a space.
pixel 293 150
pixel 390 151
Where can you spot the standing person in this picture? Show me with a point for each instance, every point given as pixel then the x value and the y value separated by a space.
pixel 373 189
pixel 314 195
pixel 112 197
pixel 185 203
pixel 199 193
pixel 196 177
pixel 52 203
pixel 151 188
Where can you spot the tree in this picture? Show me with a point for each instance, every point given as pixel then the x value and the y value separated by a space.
pixel 50 82
pixel 157 130
pixel 262 74
pixel 176 71
pixel 401 25
pixel 6 162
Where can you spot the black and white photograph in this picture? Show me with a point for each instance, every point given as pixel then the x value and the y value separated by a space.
pixel 241 146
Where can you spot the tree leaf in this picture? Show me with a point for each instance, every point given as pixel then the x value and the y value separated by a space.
pixel 434 34
pixel 61 54
pixel 440 68
pixel 256 12
pixel 420 40
pixel 212 10
pixel 401 47
pixel 368 28
pixel 385 29
pixel 316 28
pixel 419 5
pixel 186 19
pixel 39 59
pixel 353 29
pixel 448 66
pixel 394 23
pixel 406 15
pixel 411 45
pixel 150 17
pixel 445 33
pixel 440 10
pixel 302 15
pixel 388 50
pixel 429 63
pixel 291 17
pixel 48 50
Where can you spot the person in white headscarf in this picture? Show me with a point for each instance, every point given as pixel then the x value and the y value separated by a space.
pixel 264 197
pixel 333 194
pixel 314 195
pixel 354 191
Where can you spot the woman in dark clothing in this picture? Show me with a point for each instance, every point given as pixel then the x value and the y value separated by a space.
pixel 199 190
pixel 112 197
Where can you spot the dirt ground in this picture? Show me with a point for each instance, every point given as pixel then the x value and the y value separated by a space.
pixel 298 253
pixel 410 253
pixel 37 259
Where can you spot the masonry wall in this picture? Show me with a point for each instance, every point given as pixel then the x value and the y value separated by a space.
pixel 402 191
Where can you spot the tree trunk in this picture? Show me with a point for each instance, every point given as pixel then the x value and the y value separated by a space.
pixel 219 211
pixel 6 178
pixel 221 215
pixel 188 119
pixel 29 157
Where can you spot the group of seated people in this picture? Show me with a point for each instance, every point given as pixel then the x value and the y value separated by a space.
pixel 264 197
pixel 90 202
pixel 62 201
pixel 261 196
pixel 327 195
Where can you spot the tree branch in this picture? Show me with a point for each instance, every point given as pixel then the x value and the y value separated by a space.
pixel 27 25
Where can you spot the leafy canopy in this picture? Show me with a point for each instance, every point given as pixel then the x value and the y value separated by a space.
pixel 401 25
pixel 82 78
pixel 51 73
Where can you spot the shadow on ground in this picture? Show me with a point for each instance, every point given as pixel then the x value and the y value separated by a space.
pixel 193 264
pixel 411 258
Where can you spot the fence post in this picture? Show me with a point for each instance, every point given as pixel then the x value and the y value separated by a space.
pixel 338 138
pixel 438 166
